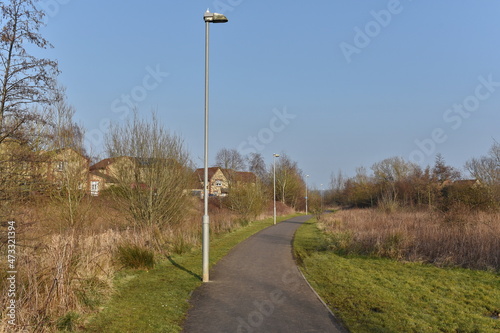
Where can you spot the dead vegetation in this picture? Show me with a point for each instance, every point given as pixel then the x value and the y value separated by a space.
pixel 464 238
pixel 66 271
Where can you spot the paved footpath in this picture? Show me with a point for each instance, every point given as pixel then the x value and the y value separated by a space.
pixel 257 288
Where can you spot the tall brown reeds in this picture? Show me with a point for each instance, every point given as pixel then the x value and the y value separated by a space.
pixel 469 239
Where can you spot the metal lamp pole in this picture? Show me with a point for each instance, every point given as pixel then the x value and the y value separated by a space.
pixel 274 183
pixel 307 176
pixel 322 191
pixel 209 18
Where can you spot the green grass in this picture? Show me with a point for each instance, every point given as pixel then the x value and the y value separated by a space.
pixel 157 300
pixel 382 295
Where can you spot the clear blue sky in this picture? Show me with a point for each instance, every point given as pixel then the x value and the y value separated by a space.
pixel 334 84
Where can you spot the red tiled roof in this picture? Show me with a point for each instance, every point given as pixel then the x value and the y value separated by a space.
pixel 201 173
pixel 240 176
pixel 102 164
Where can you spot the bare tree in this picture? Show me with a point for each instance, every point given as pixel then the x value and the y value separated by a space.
pixel 486 168
pixel 257 165
pixel 290 185
pixel 389 173
pixel 230 159
pixel 153 180
pixel 24 80
pixel 443 172
pixel 337 182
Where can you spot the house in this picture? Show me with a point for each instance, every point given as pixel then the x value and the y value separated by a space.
pixel 104 173
pixel 135 172
pixel 39 171
pixel 220 180
pixel 217 182
pixel 19 167
pixel 65 167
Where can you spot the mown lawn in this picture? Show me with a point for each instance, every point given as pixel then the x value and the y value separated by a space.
pixel 157 300
pixel 382 295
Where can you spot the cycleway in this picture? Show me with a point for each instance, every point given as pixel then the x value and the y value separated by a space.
pixel 257 288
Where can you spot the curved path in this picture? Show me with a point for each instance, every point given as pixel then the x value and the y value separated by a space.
pixel 257 287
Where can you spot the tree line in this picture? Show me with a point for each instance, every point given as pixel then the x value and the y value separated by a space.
pixel 395 182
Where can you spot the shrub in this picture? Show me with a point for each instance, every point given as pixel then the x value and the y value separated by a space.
pixel 135 257
pixel 464 195
pixel 68 322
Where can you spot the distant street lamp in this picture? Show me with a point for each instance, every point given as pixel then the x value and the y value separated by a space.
pixel 209 18
pixel 307 176
pixel 274 183
pixel 322 191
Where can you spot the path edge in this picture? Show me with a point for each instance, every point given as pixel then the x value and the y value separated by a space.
pixel 336 321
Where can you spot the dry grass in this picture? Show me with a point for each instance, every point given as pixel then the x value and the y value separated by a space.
pixel 459 238
pixel 66 272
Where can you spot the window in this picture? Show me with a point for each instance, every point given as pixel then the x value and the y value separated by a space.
pixel 218 183
pixel 94 188
pixel 61 165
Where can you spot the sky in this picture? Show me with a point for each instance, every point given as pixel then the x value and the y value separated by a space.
pixel 335 85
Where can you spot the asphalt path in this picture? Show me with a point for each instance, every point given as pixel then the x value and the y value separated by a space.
pixel 257 287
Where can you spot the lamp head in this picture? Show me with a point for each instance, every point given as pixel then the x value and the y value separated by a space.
pixel 214 17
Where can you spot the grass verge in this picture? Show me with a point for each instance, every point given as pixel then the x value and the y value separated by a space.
pixel 157 300
pixel 382 295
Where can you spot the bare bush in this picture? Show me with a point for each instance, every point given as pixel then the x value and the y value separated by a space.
pixel 247 200
pixel 154 173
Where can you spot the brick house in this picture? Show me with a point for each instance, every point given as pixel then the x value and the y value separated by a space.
pixel 40 171
pixel 220 180
pixel 65 167
pixel 104 173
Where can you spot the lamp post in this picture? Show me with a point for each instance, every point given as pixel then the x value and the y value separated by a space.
pixel 322 191
pixel 208 18
pixel 307 176
pixel 274 184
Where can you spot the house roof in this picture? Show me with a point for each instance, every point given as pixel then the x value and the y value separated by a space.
pixel 246 177
pixel 466 182
pixel 51 153
pixel 141 162
pixel 201 173
pixel 103 164
pixel 107 179
pixel 239 176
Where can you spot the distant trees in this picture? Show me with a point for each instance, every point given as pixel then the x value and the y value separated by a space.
pixel 230 159
pixel 257 165
pixel 290 185
pixel 486 169
pixel 25 81
pixel 396 182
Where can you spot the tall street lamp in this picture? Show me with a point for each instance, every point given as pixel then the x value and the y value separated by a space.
pixel 274 183
pixel 208 18
pixel 307 176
